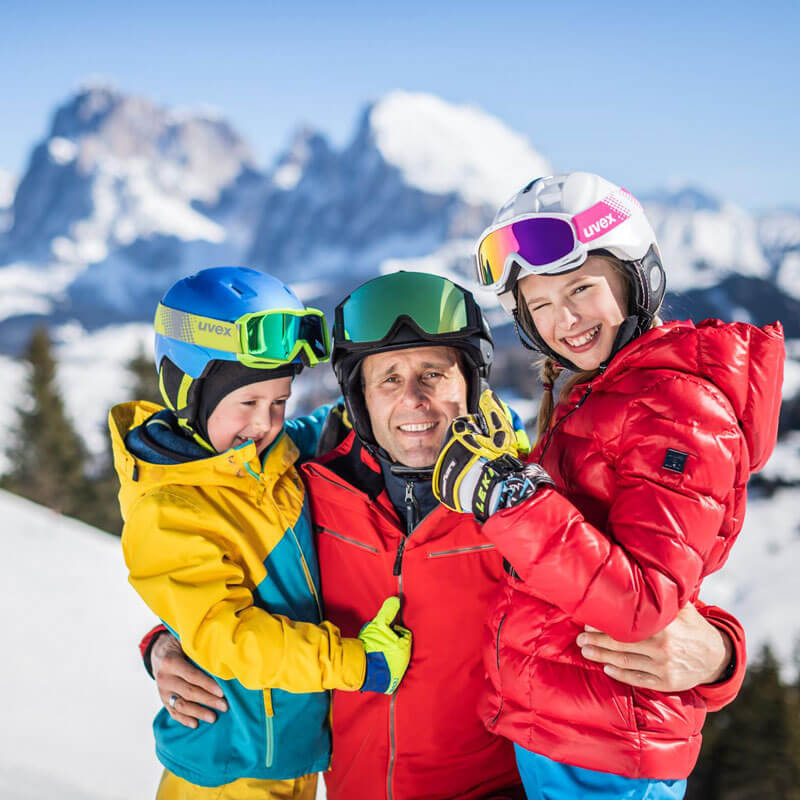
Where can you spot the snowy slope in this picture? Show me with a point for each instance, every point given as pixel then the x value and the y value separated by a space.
pixel 77 707
pixel 759 581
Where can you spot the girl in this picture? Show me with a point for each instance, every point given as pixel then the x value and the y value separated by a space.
pixel 649 447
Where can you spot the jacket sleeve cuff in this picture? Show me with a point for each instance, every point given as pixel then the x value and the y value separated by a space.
pixel 354 664
pixel 718 695
pixel 146 646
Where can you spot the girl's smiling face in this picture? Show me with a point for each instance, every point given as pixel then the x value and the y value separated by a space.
pixel 578 313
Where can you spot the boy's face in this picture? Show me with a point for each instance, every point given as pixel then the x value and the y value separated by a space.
pixel 255 411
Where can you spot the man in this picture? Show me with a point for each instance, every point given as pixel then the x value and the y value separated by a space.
pixel 411 351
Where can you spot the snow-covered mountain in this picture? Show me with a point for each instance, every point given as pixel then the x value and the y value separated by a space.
pixel 703 239
pixel 418 173
pixel 122 196
pixel 8 188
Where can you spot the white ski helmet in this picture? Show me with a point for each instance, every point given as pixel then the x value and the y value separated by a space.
pixel 551 226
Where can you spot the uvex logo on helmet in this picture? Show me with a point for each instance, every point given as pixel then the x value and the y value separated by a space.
pixel 601 217
pixel 220 330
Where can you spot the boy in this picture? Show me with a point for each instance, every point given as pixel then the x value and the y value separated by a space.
pixel 218 540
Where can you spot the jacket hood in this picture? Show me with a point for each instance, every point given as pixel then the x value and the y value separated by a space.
pixel 744 362
pixel 141 470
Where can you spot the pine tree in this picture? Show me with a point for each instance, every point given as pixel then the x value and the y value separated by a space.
pixel 146 378
pixel 47 456
pixel 103 510
pixel 750 747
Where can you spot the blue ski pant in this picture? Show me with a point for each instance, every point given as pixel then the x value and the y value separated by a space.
pixel 545 779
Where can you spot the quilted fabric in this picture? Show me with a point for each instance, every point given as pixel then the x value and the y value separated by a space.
pixel 651 460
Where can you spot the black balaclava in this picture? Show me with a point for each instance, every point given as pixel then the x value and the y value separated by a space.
pixel 224 377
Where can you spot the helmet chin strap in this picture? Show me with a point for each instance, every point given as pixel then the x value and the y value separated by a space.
pixel 628 330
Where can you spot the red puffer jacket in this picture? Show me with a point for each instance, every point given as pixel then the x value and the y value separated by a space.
pixel 426 740
pixel 654 456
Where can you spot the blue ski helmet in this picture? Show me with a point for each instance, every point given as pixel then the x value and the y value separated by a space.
pixel 231 314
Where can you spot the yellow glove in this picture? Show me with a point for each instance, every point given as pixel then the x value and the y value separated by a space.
pixel 388 649
pixel 479 462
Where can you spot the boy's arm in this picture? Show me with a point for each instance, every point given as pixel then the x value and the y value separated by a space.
pixel 188 575
pixel 305 431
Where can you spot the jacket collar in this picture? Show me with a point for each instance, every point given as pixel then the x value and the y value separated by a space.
pixel 143 467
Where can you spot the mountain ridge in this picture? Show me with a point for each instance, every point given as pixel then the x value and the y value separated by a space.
pixel 122 196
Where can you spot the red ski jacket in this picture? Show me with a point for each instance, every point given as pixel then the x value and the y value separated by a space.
pixel 654 455
pixel 426 740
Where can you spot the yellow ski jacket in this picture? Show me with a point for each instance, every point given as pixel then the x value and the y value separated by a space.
pixel 221 549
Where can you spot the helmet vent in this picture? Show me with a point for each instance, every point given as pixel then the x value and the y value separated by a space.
pixel 242 290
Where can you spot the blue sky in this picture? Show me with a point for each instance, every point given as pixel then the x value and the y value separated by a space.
pixel 643 93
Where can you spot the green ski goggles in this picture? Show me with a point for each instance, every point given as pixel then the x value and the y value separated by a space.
pixel 261 339
pixel 434 305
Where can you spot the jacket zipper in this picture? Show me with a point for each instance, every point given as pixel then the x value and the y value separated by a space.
pixel 412 509
pixel 337 484
pixel 307 572
pixel 568 414
pixel 499 681
pixel 270 755
pixel 412 517
pixel 459 550
pixel 269 728
pixel 347 539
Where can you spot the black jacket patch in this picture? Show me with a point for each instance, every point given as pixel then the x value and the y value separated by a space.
pixel 675 460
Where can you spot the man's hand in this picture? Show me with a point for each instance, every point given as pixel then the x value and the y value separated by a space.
pixel 688 652
pixel 195 692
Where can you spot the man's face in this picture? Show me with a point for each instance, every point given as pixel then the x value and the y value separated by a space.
pixel 412 396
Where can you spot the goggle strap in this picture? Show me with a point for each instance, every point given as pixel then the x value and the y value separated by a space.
pixel 194 329
pixel 225 336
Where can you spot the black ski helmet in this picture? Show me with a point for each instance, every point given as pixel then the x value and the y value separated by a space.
pixel 399 311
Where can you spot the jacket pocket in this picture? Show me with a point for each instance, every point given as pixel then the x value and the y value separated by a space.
pixel 459 551
pixel 320 529
pixel 623 697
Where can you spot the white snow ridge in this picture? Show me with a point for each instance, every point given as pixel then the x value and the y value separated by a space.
pixel 442 148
